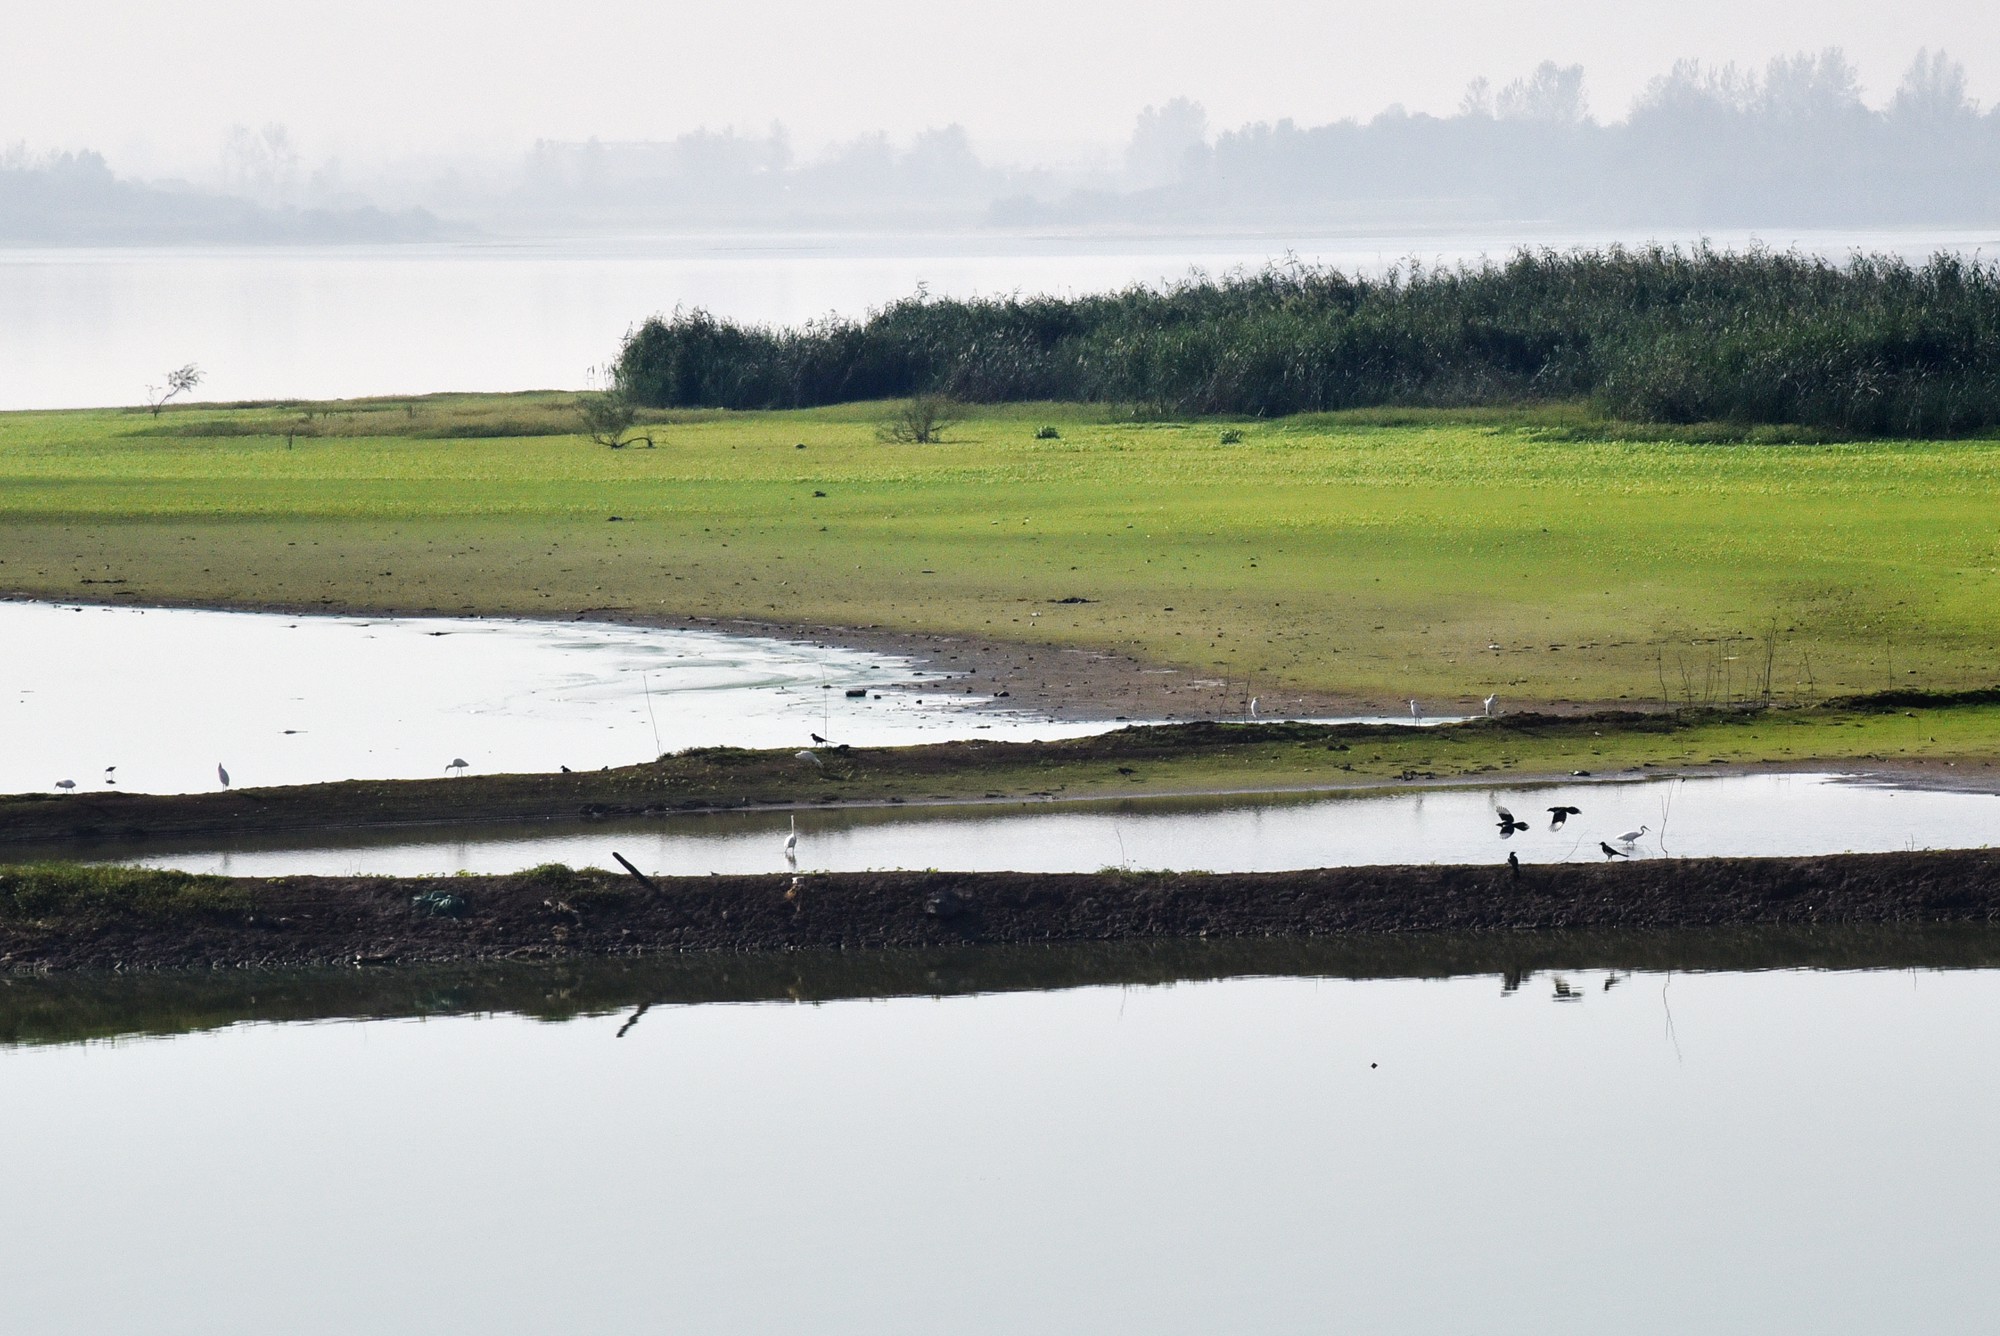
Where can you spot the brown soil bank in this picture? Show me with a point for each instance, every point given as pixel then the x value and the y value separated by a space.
pixel 62 917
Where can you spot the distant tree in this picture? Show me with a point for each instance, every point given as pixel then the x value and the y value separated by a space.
pixel 1932 91
pixel 943 158
pixel 608 416
pixel 1693 89
pixel 262 164
pixel 921 421
pixel 1552 95
pixel 1805 87
pixel 179 382
pixel 1163 140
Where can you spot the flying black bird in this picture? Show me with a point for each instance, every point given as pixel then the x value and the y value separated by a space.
pixel 1610 852
pixel 1508 825
pixel 1558 815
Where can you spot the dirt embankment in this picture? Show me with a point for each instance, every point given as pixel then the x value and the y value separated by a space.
pixel 126 919
pixel 716 778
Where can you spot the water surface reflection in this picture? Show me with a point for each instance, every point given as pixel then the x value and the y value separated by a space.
pixel 1733 815
pixel 1739 1150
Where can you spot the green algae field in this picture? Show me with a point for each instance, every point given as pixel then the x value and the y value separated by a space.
pixel 1368 556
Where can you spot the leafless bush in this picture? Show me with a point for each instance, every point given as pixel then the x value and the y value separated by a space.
pixel 921 421
pixel 179 382
pixel 607 417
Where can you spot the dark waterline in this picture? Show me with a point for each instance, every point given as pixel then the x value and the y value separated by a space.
pixel 38 1011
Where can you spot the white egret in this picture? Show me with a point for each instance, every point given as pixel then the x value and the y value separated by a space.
pixel 1489 704
pixel 808 756
pixel 1416 712
pixel 792 843
pixel 1632 836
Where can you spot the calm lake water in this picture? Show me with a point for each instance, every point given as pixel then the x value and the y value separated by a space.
pixel 83 328
pixel 1493 1151
pixel 1735 815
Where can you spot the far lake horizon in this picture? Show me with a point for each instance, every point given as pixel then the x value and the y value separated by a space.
pixel 93 327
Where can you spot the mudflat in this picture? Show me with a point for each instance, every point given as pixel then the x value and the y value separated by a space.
pixel 61 918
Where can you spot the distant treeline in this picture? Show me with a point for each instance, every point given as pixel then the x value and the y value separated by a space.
pixel 74 199
pixel 1790 144
pixel 1654 335
pixel 1704 146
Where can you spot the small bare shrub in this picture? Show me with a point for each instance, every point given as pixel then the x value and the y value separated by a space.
pixel 607 418
pixel 921 421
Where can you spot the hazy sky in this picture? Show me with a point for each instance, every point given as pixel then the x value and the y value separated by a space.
pixel 156 83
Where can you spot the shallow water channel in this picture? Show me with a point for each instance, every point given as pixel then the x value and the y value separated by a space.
pixel 1751 815
pixel 156 699
pixel 153 699
pixel 1455 1136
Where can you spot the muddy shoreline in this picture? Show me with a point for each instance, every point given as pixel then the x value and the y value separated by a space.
pixel 157 921
pixel 1064 682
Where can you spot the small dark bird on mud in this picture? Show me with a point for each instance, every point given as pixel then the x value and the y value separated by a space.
pixel 1558 815
pixel 1508 825
pixel 1610 852
pixel 1514 865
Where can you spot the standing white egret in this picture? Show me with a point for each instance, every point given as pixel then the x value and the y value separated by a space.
pixel 792 845
pixel 1489 704
pixel 1253 706
pixel 1416 712
pixel 222 774
pixel 1632 836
